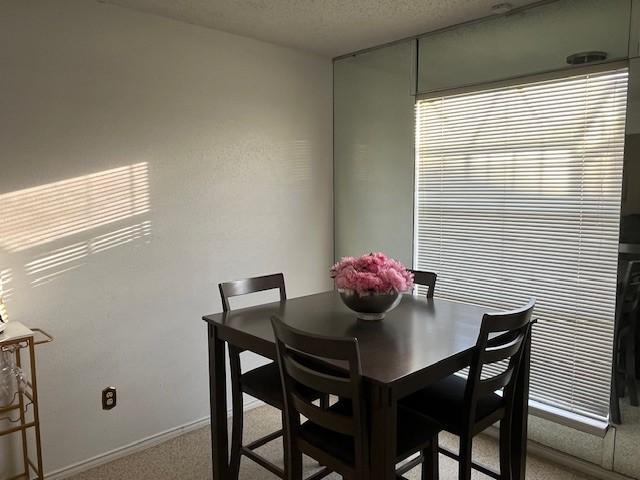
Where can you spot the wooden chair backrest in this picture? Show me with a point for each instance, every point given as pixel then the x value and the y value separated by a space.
pixel 513 329
pixel 251 285
pixel 300 356
pixel 427 279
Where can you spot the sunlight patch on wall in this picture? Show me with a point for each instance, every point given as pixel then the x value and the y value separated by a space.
pixel 55 263
pixel 38 215
pixel 5 283
pixel 122 236
pixel 47 267
pixel 300 170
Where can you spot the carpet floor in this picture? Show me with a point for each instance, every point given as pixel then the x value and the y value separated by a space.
pixel 188 458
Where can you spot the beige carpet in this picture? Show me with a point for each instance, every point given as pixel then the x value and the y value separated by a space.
pixel 188 457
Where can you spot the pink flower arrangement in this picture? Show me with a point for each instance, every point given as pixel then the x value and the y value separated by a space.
pixel 370 274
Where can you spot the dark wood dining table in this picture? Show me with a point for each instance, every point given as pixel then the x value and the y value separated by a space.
pixel 419 342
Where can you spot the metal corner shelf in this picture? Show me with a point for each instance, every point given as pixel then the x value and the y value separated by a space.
pixel 18 337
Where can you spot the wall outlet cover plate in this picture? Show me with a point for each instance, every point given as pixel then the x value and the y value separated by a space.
pixel 109 398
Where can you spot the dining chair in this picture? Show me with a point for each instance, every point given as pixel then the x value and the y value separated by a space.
pixel 262 382
pixel 466 407
pixel 624 375
pixel 427 279
pixel 338 437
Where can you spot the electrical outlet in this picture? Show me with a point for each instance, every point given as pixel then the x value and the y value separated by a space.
pixel 109 398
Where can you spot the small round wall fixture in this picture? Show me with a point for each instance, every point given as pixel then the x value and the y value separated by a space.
pixel 582 58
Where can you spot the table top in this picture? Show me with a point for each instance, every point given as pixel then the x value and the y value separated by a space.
pixel 418 334
pixel 15 331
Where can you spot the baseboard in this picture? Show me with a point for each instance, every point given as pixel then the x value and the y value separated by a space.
pixel 574 463
pixel 138 446
pixel 566 460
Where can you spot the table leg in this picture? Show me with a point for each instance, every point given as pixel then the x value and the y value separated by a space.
pixel 218 405
pixel 383 433
pixel 521 417
pixel 23 419
pixel 36 408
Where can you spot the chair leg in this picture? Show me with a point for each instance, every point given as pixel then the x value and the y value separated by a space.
pixel 614 402
pixel 324 402
pixel 630 367
pixel 622 391
pixel 293 465
pixel 238 413
pixel 614 395
pixel 236 444
pixel 506 470
pixel 286 448
pixel 430 462
pixel 464 460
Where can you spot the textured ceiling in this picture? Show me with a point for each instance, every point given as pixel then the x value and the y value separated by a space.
pixel 327 27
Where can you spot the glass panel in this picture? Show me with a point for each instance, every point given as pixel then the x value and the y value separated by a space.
pixel 518 195
pixel 531 41
pixel 373 153
pixel 630 228
pixel 627 436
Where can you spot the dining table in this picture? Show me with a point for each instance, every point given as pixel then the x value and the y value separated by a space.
pixel 421 341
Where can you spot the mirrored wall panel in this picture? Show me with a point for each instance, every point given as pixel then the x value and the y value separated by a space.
pixel 373 152
pixel 626 380
pixel 531 41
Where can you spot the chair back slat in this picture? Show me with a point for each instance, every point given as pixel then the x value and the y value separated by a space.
pixel 332 421
pixel 628 288
pixel 251 285
pixel 631 272
pixel 510 332
pixel 332 348
pixel 316 380
pixel 426 279
pixel 497 382
pixel 507 321
pixel 633 298
pixel 629 299
pixel 302 358
pixel 497 353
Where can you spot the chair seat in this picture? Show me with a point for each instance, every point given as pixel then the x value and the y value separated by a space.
pixel 443 403
pixel 414 432
pixel 264 384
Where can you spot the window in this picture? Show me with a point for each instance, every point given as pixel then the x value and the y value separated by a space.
pixel 518 195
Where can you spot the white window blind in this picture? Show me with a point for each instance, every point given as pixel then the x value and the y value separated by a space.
pixel 518 195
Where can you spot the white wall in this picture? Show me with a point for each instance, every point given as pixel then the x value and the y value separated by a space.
pixel 231 139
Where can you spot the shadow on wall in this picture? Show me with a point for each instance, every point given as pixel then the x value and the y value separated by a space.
pixel 39 226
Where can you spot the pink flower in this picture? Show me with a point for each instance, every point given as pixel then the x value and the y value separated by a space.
pixel 371 274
